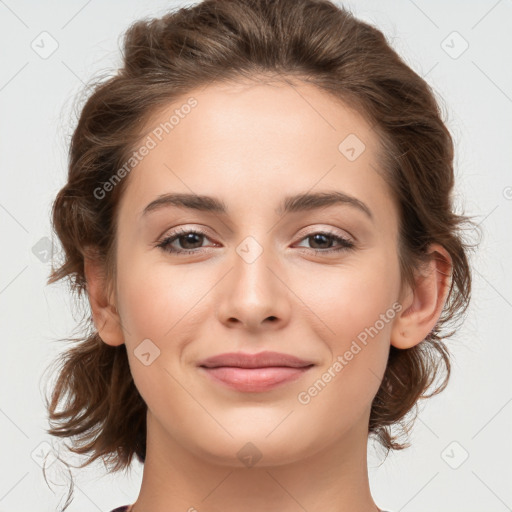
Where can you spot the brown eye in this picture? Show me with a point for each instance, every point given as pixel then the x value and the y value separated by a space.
pixel 323 242
pixel 189 241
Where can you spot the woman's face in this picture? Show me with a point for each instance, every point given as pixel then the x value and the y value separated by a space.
pixel 269 271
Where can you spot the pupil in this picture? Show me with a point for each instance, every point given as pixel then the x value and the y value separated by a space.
pixel 319 236
pixel 189 238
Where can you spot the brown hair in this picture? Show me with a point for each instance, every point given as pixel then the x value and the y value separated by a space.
pixel 219 40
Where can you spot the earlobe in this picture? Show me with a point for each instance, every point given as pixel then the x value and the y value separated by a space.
pixel 424 304
pixel 104 312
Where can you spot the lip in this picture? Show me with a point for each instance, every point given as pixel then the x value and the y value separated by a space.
pixel 254 372
pixel 259 360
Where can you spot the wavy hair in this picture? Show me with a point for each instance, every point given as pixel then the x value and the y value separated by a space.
pixel 314 41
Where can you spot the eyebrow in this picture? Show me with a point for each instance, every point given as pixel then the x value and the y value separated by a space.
pixel 290 204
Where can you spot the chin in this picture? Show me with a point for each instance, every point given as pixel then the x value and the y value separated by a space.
pixel 251 447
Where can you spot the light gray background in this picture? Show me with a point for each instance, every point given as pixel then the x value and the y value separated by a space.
pixel 472 417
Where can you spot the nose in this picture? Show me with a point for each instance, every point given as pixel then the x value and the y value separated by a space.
pixel 254 295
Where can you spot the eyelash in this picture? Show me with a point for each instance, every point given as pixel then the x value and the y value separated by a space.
pixel 166 242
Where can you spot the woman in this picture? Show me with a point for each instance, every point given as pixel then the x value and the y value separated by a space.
pixel 258 209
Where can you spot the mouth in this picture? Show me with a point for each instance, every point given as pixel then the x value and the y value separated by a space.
pixel 254 372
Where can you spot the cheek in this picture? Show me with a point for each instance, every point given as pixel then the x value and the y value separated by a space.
pixel 153 298
pixel 153 306
pixel 163 305
pixel 351 298
pixel 355 314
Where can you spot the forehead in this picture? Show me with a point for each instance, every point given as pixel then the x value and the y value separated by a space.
pixel 248 142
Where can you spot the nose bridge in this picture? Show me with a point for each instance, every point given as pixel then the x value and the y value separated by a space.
pixel 252 291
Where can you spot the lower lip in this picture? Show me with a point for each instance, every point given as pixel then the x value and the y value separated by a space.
pixel 255 379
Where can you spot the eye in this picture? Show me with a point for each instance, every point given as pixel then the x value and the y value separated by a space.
pixel 189 239
pixel 190 242
pixel 323 242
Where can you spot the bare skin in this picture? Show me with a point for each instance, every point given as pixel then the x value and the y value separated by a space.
pixel 250 147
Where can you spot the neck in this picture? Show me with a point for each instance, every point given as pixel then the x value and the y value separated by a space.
pixel 333 480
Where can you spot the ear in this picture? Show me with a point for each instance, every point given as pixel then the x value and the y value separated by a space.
pixel 422 306
pixel 105 315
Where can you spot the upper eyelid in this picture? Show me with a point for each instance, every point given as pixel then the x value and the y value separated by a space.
pixel 204 232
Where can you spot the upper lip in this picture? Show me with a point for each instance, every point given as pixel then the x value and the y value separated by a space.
pixel 259 360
